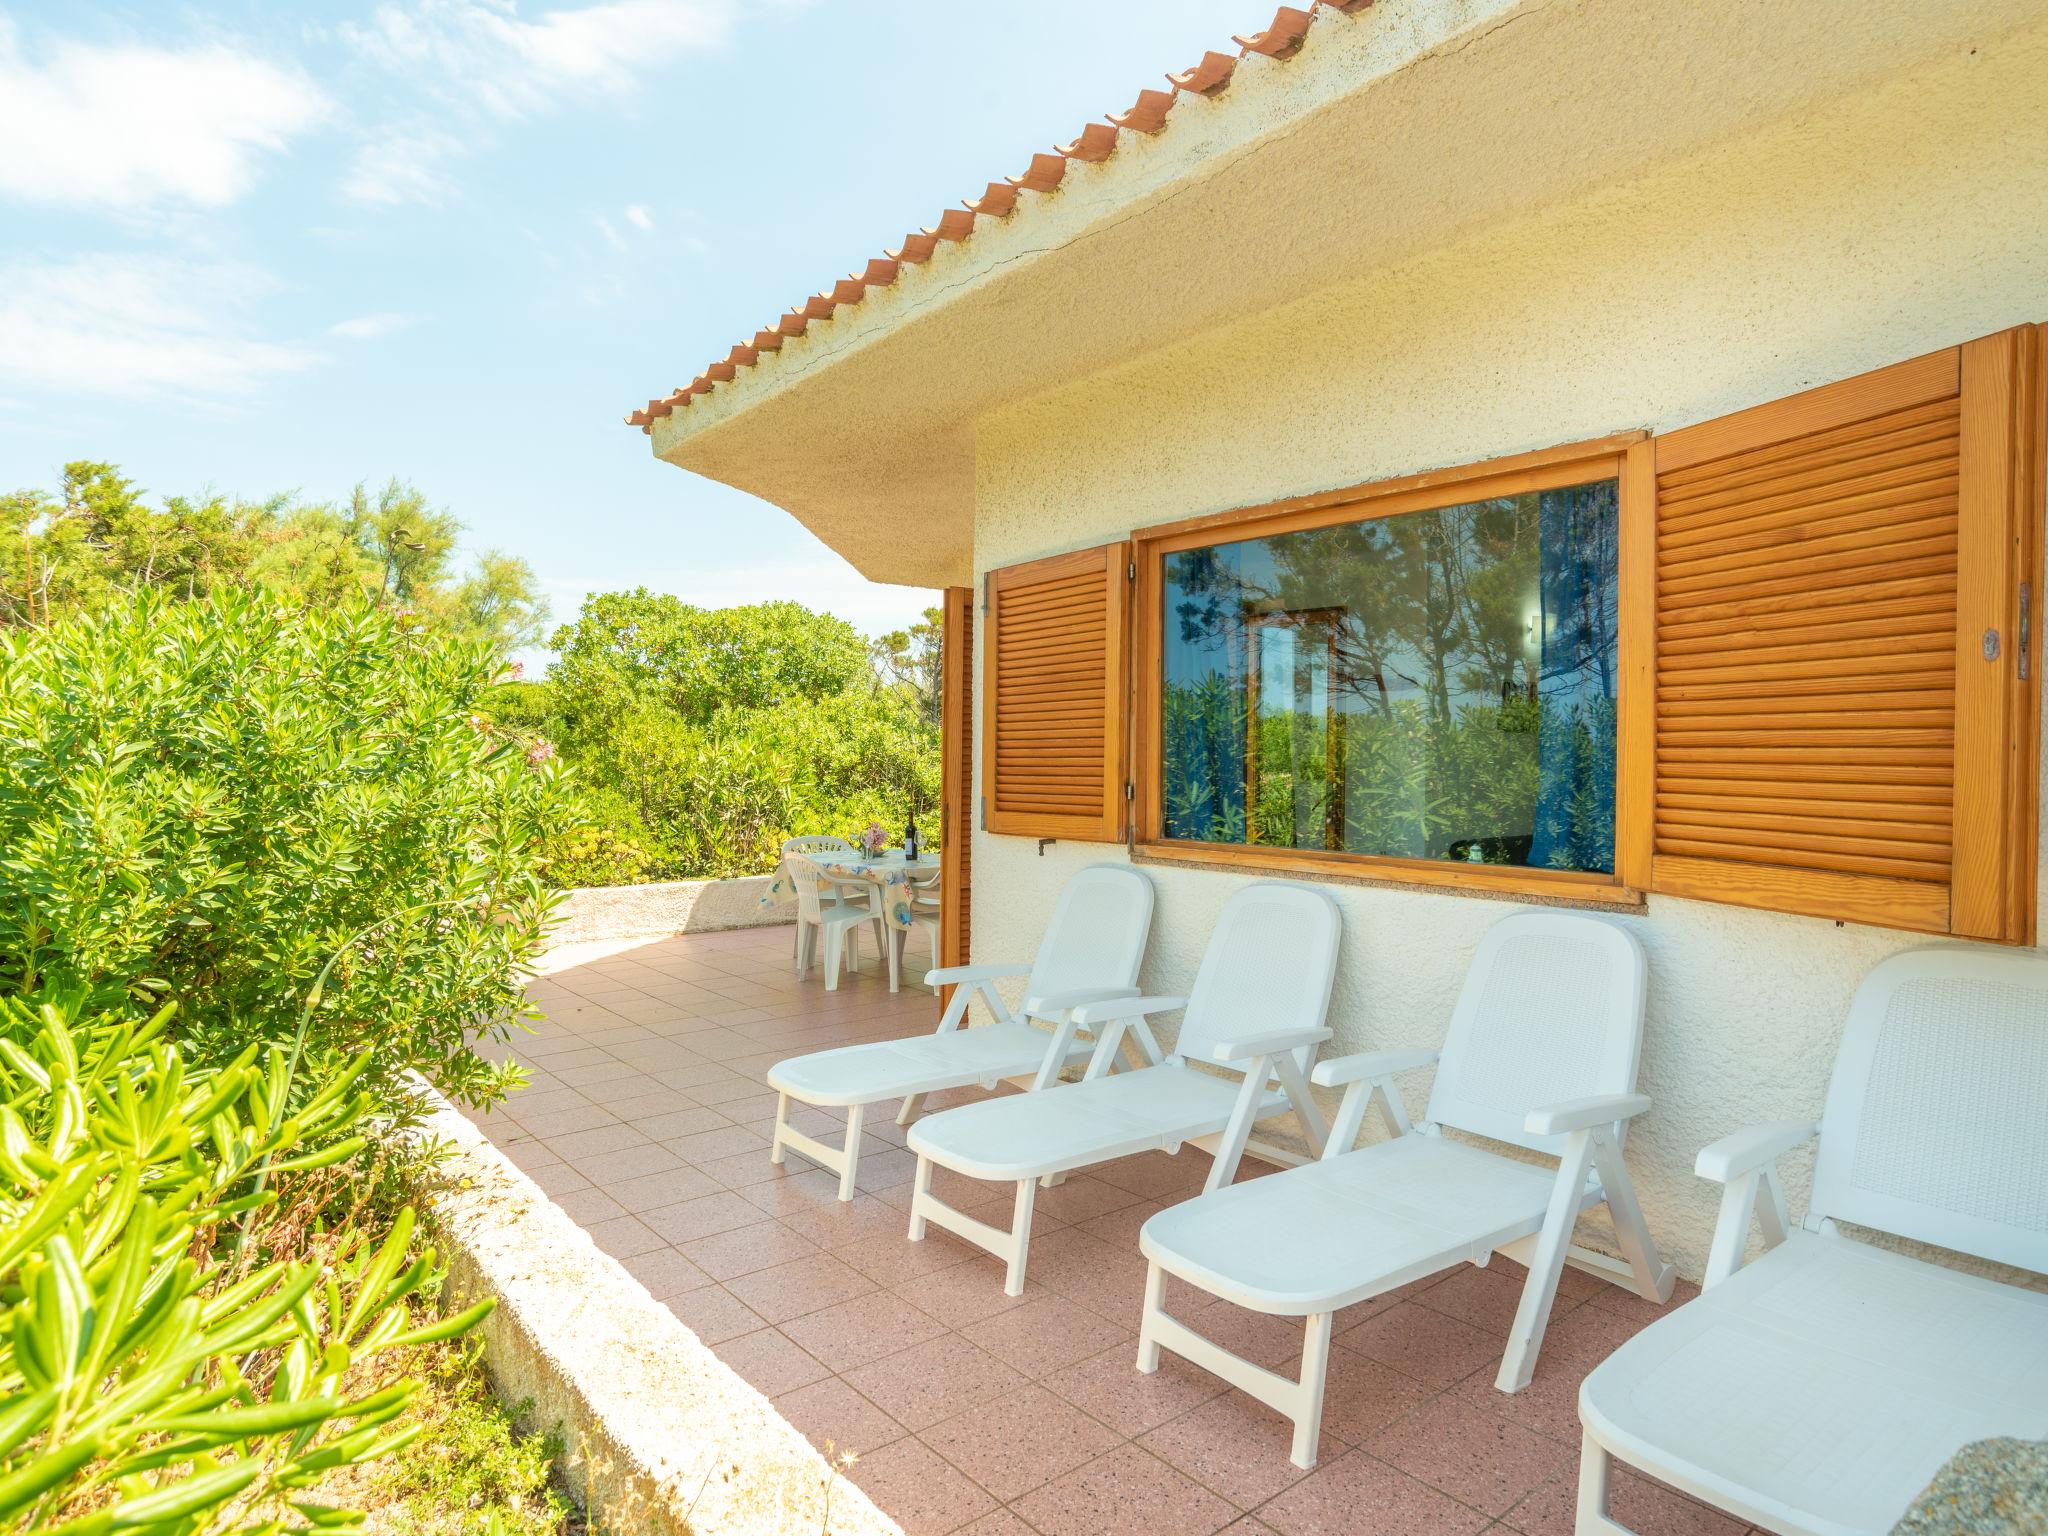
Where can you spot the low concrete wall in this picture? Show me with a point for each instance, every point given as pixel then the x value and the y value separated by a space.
pixel 663 1438
pixel 672 906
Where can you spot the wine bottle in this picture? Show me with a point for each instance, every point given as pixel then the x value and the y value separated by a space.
pixel 910 841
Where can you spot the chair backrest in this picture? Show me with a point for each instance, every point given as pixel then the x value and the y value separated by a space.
pixel 1269 967
pixel 816 842
pixel 809 881
pixel 1936 1126
pixel 1097 934
pixel 1551 1009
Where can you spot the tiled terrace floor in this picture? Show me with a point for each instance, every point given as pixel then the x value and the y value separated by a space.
pixel 648 1120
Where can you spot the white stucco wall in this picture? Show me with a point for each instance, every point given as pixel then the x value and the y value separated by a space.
pixel 1906 219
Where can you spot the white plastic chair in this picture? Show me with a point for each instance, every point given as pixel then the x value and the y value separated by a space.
pixel 831 923
pixel 816 843
pixel 925 907
pixel 1819 1388
pixel 1092 950
pixel 1256 1013
pixel 1541 1054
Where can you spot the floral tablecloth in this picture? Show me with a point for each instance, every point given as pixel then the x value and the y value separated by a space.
pixel 891 875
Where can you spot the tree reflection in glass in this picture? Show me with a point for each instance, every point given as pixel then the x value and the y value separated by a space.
pixel 1433 685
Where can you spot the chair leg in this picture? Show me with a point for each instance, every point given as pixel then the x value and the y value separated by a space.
pixel 1155 1307
pixel 806 943
pixel 920 1190
pixel 781 1120
pixel 1546 1264
pixel 892 945
pixel 1020 1237
pixel 1595 1468
pixel 1654 1278
pixel 1315 1375
pixel 912 1104
pixel 835 939
pixel 853 1118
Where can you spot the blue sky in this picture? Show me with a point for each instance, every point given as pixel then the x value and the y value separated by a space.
pixel 289 246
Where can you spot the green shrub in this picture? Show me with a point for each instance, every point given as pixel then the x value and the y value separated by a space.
pixel 703 738
pixel 210 802
pixel 162 1371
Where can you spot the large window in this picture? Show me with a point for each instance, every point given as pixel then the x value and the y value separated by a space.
pixel 1437 683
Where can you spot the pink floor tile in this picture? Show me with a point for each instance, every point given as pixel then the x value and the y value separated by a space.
pixel 1648 1508
pixel 1474 1456
pixel 713 1313
pixel 837 1419
pixel 1046 1333
pixel 1436 1350
pixel 771 1361
pixel 933 1381
pixel 1015 1443
pixel 960 1295
pixel 804 1285
pixel 1236 1447
pixel 1112 1388
pixel 728 1255
pixel 924 1494
pixel 665 1273
pixel 1361 1397
pixel 1357 1495
pixel 702 1216
pixel 1125 1492
pixel 861 1220
pixel 851 1333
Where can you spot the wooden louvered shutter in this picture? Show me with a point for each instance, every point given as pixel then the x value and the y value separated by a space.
pixel 956 776
pixel 1054 696
pixel 1844 705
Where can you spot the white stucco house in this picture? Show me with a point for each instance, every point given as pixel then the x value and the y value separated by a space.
pixel 1481 452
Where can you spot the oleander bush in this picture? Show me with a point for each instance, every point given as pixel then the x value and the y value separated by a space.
pixel 176 1358
pixel 212 803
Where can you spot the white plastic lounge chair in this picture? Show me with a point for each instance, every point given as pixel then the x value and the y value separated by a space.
pixel 1091 951
pixel 1541 1053
pixel 1819 1388
pixel 1256 1012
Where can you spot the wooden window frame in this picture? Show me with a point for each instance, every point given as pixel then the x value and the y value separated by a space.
pixel 1545 469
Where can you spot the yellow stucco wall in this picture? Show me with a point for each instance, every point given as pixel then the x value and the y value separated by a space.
pixel 1905 219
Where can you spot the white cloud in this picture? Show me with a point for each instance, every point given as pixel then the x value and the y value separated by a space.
pixel 138 326
pixel 401 168
pixel 482 61
pixel 368 327
pixel 513 65
pixel 132 125
pixel 638 216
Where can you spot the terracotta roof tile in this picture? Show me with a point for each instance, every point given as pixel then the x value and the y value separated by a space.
pixel 1095 143
pixel 1207 77
pixel 1282 39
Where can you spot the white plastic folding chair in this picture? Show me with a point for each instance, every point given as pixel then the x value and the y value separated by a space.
pixel 1091 951
pixel 816 843
pixel 831 923
pixel 1817 1389
pixel 1541 1054
pixel 1255 1017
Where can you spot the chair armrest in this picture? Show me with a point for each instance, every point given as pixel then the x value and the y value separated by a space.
pixel 1338 1070
pixel 1271 1044
pixel 1063 1002
pixel 1125 1008
pixel 952 975
pixel 1736 1154
pixel 1580 1114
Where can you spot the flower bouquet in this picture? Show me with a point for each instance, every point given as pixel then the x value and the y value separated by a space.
pixel 873 841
